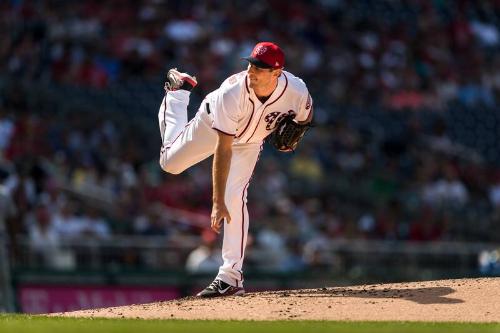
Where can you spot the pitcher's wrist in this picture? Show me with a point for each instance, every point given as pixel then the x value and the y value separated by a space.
pixel 218 201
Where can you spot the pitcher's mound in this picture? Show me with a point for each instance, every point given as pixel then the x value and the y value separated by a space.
pixel 464 300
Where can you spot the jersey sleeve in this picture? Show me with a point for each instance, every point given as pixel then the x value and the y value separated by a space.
pixel 305 107
pixel 225 112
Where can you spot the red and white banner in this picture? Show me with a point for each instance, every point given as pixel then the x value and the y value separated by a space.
pixel 48 298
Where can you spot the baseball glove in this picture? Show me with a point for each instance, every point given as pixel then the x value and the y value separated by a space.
pixel 288 133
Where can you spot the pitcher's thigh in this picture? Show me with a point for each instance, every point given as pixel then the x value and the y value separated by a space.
pixel 195 143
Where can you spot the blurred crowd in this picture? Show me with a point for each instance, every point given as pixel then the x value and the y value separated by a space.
pixel 400 54
pixel 83 176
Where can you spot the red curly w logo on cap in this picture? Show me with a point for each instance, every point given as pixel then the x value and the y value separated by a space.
pixel 260 50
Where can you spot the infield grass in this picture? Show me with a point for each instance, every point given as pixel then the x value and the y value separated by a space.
pixel 36 324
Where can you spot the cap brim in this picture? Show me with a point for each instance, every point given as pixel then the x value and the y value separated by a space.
pixel 257 62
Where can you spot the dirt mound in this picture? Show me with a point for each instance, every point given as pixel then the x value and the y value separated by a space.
pixel 464 300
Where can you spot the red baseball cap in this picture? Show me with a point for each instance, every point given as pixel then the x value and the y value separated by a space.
pixel 267 55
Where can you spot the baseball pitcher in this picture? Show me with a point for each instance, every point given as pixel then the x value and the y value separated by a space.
pixel 231 124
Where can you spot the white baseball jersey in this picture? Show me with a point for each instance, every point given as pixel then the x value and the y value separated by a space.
pixel 237 110
pixel 233 109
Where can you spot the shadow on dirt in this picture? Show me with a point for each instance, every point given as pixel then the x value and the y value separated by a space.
pixel 430 295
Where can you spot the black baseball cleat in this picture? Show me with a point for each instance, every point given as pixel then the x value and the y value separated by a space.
pixel 177 80
pixel 219 288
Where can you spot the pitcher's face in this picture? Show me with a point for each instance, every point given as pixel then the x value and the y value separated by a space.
pixel 262 77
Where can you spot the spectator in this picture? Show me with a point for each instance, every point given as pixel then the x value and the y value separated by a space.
pixel 206 257
pixel 153 223
pixel 66 224
pixel 94 225
pixel 46 243
pixel 447 190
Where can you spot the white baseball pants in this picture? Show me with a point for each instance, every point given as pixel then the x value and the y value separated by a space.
pixel 187 143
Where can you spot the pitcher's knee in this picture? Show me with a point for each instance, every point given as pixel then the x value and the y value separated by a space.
pixel 171 163
pixel 169 167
